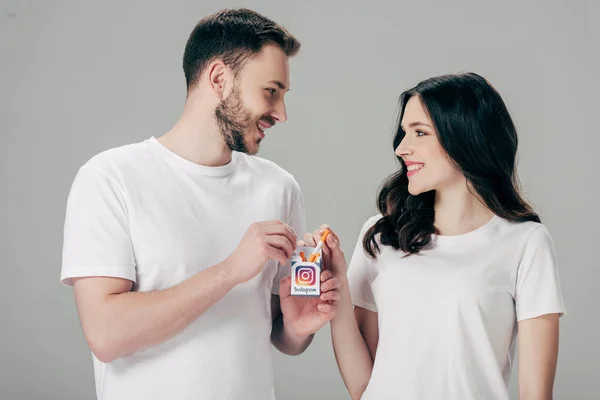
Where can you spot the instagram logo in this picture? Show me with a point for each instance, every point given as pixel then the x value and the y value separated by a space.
pixel 305 276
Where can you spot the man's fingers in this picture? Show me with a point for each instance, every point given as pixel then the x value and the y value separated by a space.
pixel 325 275
pixel 331 284
pixel 327 309
pixel 281 229
pixel 281 243
pixel 309 240
pixel 285 285
pixel 277 254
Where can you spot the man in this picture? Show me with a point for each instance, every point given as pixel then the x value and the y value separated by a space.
pixel 177 247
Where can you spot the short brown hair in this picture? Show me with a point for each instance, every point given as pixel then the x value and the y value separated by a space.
pixel 234 36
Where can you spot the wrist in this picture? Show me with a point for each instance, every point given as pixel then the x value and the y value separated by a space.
pixel 226 270
pixel 290 331
pixel 345 302
pixel 344 285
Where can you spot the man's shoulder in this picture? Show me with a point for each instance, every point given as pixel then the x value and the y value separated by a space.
pixel 113 160
pixel 270 170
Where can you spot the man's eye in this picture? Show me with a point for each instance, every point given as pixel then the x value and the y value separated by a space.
pixel 271 91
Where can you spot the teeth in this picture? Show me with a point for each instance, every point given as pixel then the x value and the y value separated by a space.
pixel 414 167
pixel 262 128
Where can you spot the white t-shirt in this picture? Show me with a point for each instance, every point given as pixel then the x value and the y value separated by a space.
pixel 448 316
pixel 143 213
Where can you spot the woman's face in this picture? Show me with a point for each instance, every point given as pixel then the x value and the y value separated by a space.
pixel 428 165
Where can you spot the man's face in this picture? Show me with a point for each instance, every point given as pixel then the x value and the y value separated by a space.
pixel 255 102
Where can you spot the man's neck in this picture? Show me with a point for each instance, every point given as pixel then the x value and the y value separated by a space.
pixel 196 137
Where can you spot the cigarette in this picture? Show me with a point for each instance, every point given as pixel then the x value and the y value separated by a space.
pixel 320 245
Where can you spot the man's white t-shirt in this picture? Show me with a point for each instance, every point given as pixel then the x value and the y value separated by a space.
pixel 142 213
pixel 448 316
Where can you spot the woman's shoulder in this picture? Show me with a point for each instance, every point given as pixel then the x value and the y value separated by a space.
pixel 369 223
pixel 372 220
pixel 528 232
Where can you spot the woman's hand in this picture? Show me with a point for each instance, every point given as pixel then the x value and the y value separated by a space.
pixel 333 256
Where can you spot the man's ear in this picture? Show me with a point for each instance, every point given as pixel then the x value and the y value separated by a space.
pixel 217 77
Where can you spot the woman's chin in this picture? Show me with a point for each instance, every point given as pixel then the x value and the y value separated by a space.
pixel 415 189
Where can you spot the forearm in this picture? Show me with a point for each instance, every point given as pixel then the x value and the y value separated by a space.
pixel 351 352
pixel 535 395
pixel 285 340
pixel 536 383
pixel 538 357
pixel 130 321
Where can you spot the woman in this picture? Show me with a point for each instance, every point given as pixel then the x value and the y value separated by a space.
pixel 455 264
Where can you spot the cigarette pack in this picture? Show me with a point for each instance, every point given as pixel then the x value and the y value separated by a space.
pixel 306 276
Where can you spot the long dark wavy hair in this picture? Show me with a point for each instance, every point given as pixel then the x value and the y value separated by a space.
pixel 477 132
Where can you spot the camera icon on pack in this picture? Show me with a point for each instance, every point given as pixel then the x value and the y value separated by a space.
pixel 305 275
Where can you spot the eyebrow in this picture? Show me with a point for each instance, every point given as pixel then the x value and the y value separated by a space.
pixel 413 124
pixel 279 84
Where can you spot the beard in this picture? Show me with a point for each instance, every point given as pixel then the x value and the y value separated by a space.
pixel 235 123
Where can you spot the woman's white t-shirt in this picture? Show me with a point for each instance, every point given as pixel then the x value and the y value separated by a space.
pixel 448 315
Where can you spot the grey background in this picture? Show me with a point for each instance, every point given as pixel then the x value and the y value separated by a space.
pixel 78 77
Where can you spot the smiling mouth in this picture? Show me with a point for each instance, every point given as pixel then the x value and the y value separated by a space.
pixel 413 169
pixel 264 125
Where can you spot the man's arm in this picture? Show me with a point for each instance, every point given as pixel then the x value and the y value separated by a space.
pixel 282 337
pixel 99 261
pixel 116 321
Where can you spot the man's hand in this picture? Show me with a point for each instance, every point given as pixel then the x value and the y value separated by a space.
pixel 306 315
pixel 261 242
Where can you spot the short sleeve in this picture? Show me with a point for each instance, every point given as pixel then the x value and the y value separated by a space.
pixel 361 272
pixel 538 289
pixel 297 222
pixel 96 239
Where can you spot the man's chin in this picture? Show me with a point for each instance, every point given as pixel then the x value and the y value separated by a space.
pixel 253 150
pixel 253 147
pixel 247 146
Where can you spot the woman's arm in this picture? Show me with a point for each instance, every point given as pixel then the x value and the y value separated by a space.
pixel 354 332
pixel 355 336
pixel 538 355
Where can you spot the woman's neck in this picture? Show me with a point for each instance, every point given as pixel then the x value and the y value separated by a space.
pixel 458 210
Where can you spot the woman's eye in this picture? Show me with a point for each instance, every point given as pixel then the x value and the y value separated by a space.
pixel 421 133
